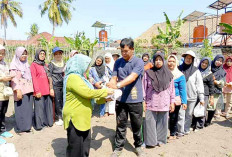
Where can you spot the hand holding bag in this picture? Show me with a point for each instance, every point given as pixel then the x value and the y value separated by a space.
pixel 199 110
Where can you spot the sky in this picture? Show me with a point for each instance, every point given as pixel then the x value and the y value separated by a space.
pixel 130 18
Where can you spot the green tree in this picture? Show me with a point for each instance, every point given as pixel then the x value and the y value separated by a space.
pixel 169 37
pixel 58 11
pixel 140 48
pixel 9 9
pixel 206 51
pixel 81 43
pixel 33 31
pixel 48 45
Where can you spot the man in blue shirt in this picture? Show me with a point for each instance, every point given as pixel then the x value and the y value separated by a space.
pixel 127 76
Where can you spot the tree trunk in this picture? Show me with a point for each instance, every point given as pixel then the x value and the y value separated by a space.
pixel 5 31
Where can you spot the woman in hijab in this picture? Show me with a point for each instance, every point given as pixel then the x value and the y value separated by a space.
pixel 23 90
pixel 98 76
pixel 73 53
pixel 146 60
pixel 159 96
pixel 207 75
pixel 43 89
pixel 109 61
pixel 180 94
pixel 219 82
pixel 5 77
pixel 78 96
pixel 195 90
pixel 227 90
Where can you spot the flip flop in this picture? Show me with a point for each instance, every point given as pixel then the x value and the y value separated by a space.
pixel 7 134
pixel 2 141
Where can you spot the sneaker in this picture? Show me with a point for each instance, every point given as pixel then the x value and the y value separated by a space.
pixel 179 135
pixel 116 153
pixel 187 133
pixel 196 130
pixel 59 122
pixel 139 152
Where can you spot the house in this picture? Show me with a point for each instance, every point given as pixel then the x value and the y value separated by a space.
pixel 187 31
pixel 34 40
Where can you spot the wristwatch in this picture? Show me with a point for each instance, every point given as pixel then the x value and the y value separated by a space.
pixel 118 85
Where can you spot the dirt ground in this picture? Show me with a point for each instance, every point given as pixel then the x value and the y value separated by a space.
pixel 213 141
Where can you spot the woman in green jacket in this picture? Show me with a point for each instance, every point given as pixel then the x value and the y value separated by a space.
pixel 78 98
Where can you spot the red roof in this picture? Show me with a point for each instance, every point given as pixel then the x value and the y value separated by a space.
pixel 34 40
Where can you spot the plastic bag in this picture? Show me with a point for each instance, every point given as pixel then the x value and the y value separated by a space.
pixel 199 110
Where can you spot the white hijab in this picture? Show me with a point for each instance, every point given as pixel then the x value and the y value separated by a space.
pixel 175 72
pixel 111 64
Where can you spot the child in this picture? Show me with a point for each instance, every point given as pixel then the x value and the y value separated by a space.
pixel 227 90
pixel 56 68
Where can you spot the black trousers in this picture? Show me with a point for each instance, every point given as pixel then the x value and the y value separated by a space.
pixel 58 102
pixel 78 142
pixel 173 121
pixel 209 117
pixel 3 109
pixel 135 110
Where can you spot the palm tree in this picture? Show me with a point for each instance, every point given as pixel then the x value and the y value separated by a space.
pixel 58 10
pixel 8 9
pixel 34 30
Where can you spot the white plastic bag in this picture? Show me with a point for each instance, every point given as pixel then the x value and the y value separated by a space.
pixel 8 150
pixel 199 110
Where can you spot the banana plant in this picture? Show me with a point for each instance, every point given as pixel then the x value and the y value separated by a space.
pixel 227 27
pixel 169 37
pixel 81 43
pixel 48 45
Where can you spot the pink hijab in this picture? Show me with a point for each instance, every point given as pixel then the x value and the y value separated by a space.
pixel 23 67
pixel 228 70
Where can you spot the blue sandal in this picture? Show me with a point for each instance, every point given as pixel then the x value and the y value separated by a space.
pixel 2 141
pixel 7 134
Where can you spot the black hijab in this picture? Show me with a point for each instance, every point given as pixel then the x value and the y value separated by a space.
pixel 100 68
pixel 218 72
pixel 161 77
pixel 187 70
pixel 38 61
pixel 146 54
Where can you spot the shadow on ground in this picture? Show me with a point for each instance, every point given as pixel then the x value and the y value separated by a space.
pixel 225 123
pixel 59 146
pixel 107 134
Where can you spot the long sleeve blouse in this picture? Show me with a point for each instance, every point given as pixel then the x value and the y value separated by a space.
pixel 40 79
pixel 78 107
pixel 180 89
pixel 157 101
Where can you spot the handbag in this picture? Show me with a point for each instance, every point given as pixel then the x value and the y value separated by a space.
pixel 199 111
pixel 7 91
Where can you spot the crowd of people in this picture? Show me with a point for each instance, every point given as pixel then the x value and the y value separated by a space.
pixel 164 91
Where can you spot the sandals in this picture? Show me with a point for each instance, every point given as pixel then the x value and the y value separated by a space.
pixel 2 141
pixel 7 134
